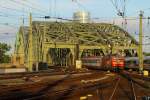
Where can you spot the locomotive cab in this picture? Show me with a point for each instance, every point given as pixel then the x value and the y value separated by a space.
pixel 117 62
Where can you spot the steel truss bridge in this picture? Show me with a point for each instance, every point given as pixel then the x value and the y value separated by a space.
pixel 62 43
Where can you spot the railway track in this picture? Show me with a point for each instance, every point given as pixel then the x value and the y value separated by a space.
pixel 94 86
pixel 138 83
pixel 143 82
pixel 125 87
pixel 25 74
pixel 40 73
pixel 72 90
pixel 136 75
pixel 53 89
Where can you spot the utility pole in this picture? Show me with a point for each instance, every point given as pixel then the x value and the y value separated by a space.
pixel 141 42
pixel 30 53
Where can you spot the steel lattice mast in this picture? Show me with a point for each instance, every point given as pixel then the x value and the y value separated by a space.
pixel 141 42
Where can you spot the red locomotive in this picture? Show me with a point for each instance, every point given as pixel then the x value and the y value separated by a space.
pixel 104 62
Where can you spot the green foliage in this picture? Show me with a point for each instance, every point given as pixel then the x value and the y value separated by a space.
pixel 4 48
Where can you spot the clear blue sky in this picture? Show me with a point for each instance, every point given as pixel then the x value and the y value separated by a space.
pixel 11 12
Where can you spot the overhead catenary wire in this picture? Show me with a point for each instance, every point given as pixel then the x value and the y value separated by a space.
pixel 30 6
pixel 35 4
pixel 138 11
pixel 17 10
pixel 69 19
pixel 5 37
pixel 114 4
pixel 74 0
pixel 120 6
pixel 143 35
pixel 11 16
pixel 79 5
pixel 10 25
pixel 17 16
pixel 4 14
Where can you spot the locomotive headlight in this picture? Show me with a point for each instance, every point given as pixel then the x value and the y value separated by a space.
pixel 109 45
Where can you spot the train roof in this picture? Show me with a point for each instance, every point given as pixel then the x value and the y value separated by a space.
pixel 136 58
pixel 91 57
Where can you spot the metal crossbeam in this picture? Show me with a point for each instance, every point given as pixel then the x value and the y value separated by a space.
pixel 67 36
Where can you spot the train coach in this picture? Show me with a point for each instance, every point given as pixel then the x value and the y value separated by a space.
pixel 133 63
pixel 110 62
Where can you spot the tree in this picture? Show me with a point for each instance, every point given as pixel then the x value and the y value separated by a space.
pixel 4 48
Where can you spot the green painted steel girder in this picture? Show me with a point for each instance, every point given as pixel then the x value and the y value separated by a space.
pixel 67 35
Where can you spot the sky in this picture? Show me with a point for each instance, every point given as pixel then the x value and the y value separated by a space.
pixel 13 11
